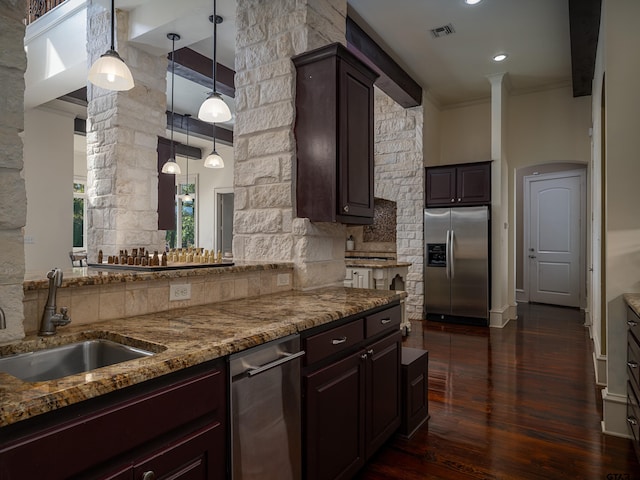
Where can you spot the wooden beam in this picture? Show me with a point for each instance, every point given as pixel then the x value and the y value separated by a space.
pixel 584 28
pixel 200 128
pixel 198 68
pixel 393 80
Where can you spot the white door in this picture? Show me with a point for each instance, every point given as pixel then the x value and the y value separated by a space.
pixel 555 238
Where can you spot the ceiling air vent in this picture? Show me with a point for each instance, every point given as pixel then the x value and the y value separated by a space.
pixel 442 31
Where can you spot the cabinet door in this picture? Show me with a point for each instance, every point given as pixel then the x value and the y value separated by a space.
pixel 334 411
pixel 383 391
pixel 355 157
pixel 199 455
pixel 473 184
pixel 440 186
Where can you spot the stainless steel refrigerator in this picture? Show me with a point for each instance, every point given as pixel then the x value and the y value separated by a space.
pixel 457 268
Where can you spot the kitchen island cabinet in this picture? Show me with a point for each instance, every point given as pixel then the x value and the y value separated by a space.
pixel 351 387
pixel 173 426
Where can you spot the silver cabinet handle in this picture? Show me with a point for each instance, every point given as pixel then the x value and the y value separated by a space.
pixel 632 364
pixel 459 199
pixel 363 356
pixel 370 352
pixel 346 208
pixel 447 255
pixel 453 199
pixel 632 323
pixel 150 475
pixel 287 357
pixel 632 421
pixel 384 321
pixel 338 341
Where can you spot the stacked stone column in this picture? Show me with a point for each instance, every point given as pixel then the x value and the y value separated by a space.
pixel 13 195
pixel 399 176
pixel 265 224
pixel 122 136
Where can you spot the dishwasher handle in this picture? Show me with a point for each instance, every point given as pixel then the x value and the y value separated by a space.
pixel 287 357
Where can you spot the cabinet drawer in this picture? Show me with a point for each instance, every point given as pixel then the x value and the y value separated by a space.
pixel 333 341
pixel 384 320
pixel 634 323
pixel 633 361
pixel 633 414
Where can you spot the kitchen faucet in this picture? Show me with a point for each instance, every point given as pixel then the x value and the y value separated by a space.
pixel 51 319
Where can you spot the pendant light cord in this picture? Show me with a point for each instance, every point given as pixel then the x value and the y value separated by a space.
pixel 215 44
pixel 113 22
pixel 173 81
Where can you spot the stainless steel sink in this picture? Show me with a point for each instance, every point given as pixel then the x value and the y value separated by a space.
pixel 60 361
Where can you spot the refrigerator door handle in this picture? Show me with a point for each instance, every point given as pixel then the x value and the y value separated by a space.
pixel 452 271
pixel 447 254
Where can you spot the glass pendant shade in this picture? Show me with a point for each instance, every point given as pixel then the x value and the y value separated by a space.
pixel 110 72
pixel 214 160
pixel 171 167
pixel 214 109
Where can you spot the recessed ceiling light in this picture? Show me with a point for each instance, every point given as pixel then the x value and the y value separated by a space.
pixel 500 57
pixel 472 2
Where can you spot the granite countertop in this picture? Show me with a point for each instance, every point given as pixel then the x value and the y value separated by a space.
pixel 182 338
pixel 81 276
pixel 374 263
pixel 633 300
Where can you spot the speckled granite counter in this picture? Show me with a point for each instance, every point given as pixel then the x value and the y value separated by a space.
pixel 83 276
pixel 633 300
pixel 182 338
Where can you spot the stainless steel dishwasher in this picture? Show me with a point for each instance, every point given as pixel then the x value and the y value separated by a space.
pixel 265 411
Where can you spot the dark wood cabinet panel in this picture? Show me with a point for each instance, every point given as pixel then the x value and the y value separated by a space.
pixel 126 425
pixel 335 420
pixel 334 136
pixel 196 456
pixel 441 185
pixel 352 396
pixel 465 184
pixel 383 391
pixel 633 378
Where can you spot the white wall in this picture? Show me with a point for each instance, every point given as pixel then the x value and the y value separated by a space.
pixel 619 40
pixel 465 134
pixel 48 173
pixel 548 126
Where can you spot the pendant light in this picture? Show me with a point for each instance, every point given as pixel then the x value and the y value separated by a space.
pixel 187 197
pixel 110 71
pixel 214 109
pixel 170 166
pixel 214 160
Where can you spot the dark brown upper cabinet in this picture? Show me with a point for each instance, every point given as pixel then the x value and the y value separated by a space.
pixel 464 184
pixel 334 136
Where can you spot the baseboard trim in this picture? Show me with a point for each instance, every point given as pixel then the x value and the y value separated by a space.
pixel 614 413
pixel 521 296
pixel 498 318
pixel 599 363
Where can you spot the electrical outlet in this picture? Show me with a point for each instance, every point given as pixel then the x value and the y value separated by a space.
pixel 283 279
pixel 180 291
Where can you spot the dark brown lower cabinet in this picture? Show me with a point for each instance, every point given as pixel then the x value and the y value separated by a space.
pixel 352 404
pixel 172 427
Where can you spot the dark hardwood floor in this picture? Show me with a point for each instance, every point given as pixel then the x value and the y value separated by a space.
pixel 512 403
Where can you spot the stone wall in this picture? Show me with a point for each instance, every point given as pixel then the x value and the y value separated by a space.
pixel 13 196
pixel 399 176
pixel 265 226
pixel 122 138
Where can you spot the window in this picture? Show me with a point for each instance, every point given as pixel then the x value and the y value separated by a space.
pixel 186 233
pixel 79 214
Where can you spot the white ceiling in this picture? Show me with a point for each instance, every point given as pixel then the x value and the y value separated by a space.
pixel 452 69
